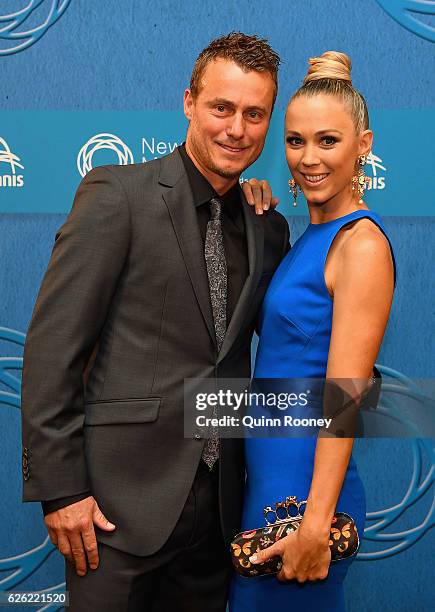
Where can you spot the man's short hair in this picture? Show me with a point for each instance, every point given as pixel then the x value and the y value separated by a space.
pixel 248 52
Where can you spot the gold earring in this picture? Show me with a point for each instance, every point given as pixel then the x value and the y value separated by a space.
pixel 294 190
pixel 360 180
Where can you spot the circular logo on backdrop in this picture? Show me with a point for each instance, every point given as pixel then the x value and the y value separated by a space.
pixel 407 12
pixel 22 28
pixel 17 568
pixel 392 530
pixel 103 141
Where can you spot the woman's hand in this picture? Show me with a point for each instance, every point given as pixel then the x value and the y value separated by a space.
pixel 305 554
pixel 259 194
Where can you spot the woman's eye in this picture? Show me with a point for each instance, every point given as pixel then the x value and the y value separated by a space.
pixel 329 140
pixel 294 140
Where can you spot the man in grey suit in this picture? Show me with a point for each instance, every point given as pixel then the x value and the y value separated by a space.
pixel 156 276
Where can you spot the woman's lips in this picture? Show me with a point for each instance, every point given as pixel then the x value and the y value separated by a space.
pixel 315 179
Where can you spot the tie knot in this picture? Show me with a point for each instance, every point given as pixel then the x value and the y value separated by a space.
pixel 215 209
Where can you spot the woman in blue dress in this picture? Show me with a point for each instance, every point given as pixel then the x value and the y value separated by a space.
pixel 324 316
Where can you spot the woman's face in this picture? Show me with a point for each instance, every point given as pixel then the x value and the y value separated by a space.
pixel 322 147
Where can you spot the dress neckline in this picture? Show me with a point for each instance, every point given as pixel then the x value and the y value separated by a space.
pixel 360 210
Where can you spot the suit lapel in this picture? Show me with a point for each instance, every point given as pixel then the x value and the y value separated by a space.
pixel 179 201
pixel 255 243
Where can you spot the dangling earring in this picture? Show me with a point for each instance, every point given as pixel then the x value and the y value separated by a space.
pixel 294 190
pixel 360 180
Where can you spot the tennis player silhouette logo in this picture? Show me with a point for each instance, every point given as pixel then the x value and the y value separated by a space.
pixel 9 158
pixel 377 169
pixel 9 162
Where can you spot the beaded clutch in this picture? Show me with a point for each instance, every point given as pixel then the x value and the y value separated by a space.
pixel 343 539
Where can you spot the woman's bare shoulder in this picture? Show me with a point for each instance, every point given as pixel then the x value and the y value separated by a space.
pixel 364 240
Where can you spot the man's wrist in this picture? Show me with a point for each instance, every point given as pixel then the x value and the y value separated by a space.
pixel 51 505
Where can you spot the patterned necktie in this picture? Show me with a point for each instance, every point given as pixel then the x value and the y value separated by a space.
pixel 217 279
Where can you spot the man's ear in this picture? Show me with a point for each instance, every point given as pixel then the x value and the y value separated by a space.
pixel 189 103
pixel 366 142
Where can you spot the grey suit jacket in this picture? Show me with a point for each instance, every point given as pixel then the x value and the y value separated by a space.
pixel 123 316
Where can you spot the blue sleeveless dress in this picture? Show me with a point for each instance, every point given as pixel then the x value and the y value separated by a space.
pixel 295 330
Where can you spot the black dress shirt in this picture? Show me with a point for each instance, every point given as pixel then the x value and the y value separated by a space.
pixel 233 229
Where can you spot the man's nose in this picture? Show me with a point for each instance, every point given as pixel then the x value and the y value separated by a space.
pixel 236 127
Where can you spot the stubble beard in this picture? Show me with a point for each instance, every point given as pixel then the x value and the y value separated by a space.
pixel 228 174
pixel 206 160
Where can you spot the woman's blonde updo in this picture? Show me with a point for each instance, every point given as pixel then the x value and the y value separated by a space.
pixel 330 74
pixel 330 65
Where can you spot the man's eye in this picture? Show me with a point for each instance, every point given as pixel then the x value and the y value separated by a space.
pixel 220 108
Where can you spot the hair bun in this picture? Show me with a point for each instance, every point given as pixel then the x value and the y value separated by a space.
pixel 330 65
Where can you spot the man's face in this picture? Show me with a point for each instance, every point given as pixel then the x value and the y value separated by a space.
pixel 228 119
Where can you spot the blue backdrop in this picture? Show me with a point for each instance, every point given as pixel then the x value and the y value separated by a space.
pixel 87 83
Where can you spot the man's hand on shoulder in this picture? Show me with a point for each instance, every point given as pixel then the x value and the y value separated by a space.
pixel 259 194
pixel 71 529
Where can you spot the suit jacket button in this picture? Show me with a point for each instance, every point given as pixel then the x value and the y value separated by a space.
pixel 198 436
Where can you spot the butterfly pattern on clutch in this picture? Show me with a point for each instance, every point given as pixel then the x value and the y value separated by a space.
pixel 343 538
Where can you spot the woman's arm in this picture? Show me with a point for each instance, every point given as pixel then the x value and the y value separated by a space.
pixel 361 282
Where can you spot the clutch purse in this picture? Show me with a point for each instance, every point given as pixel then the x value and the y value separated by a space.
pixel 343 539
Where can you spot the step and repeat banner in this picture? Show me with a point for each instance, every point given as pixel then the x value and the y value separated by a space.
pixel 45 154
pixel 90 83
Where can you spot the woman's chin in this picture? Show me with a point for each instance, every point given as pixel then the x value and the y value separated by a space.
pixel 315 198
